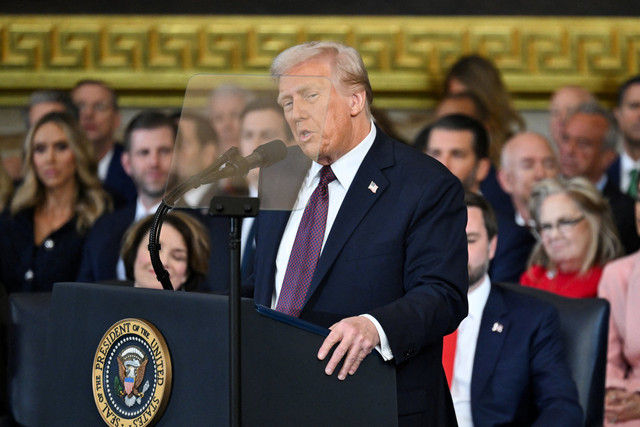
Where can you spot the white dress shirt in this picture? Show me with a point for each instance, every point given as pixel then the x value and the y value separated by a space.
pixel 344 169
pixel 465 352
pixel 103 165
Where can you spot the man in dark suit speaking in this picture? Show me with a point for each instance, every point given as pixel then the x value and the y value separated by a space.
pixel 389 269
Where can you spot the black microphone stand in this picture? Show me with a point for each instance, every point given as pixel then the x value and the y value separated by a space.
pixel 236 208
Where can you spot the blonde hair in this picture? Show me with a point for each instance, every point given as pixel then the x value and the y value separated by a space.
pixel 346 66
pixel 90 200
pixel 604 243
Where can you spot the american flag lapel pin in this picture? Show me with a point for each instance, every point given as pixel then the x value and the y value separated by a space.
pixel 373 187
pixel 497 327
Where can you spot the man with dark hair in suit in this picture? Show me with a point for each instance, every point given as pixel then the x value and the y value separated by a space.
pixel 461 144
pixel 388 265
pixel 149 140
pixel 509 364
pixel 100 117
pixel 624 169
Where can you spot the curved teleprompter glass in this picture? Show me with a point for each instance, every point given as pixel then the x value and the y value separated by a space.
pixel 226 132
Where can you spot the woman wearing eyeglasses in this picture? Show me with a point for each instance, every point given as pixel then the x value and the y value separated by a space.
pixel 620 285
pixel 576 238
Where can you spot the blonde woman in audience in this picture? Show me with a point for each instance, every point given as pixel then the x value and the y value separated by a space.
pixel 620 285
pixel 184 252
pixel 577 237
pixel 58 201
pixel 478 75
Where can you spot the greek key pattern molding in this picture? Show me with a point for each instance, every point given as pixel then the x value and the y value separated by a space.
pixel 150 58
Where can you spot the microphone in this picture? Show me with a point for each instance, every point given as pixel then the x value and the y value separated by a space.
pixel 205 176
pixel 264 155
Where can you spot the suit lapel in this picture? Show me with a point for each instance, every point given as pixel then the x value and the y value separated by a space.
pixel 493 331
pixel 357 202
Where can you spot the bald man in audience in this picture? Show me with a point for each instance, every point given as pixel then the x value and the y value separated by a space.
pixel 526 159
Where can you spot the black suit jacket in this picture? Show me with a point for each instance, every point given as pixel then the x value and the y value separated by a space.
pixel 520 375
pixel 117 183
pixel 399 254
pixel 624 216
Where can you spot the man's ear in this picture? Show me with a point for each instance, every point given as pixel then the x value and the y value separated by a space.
pixel 125 159
pixel 504 179
pixel 358 102
pixel 484 166
pixel 493 244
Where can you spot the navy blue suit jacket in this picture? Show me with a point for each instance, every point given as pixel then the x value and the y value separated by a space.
pixel 515 244
pixel 102 247
pixel 399 254
pixel 520 376
pixel 614 172
pixel 117 183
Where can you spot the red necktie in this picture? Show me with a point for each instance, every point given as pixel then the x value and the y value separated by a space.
pixel 449 354
pixel 306 248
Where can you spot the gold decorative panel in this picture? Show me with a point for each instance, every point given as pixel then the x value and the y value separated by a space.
pixel 149 59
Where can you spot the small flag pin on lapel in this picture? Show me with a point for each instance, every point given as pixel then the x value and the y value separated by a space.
pixel 497 327
pixel 373 187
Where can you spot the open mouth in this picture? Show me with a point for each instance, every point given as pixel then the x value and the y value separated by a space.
pixel 304 135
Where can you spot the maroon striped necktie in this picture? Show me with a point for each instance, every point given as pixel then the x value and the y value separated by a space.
pixel 306 248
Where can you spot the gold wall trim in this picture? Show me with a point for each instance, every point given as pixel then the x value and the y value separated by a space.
pixel 149 59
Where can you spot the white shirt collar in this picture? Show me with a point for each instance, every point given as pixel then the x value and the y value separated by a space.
pixel 103 165
pixel 478 298
pixel 142 212
pixel 346 167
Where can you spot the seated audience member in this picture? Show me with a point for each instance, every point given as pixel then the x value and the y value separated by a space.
pixel 100 118
pixel 466 103
pixel 42 102
pixel 261 121
pixel 564 101
pixel 509 364
pixel 196 148
pixel 577 238
pixel 476 74
pixel 43 232
pixel 587 148
pixel 148 141
pixel 461 144
pixel 226 103
pixel 184 252
pixel 624 169
pixel 527 158
pixel 471 105
pixel 620 285
pixel 6 187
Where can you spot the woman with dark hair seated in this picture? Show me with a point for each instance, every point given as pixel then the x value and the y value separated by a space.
pixel 184 251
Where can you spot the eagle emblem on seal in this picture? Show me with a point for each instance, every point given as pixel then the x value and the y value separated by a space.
pixel 132 363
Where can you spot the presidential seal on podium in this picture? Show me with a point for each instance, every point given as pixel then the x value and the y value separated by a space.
pixel 131 374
